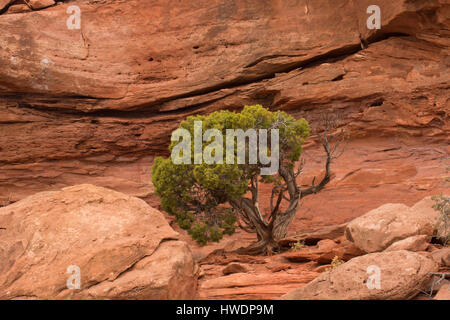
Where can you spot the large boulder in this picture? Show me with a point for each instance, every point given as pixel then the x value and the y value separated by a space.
pixel 402 274
pixel 381 227
pixel 123 248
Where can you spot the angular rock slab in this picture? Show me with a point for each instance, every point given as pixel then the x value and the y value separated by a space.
pixel 414 243
pixel 124 248
pixel 402 274
pixel 381 227
pixel 442 256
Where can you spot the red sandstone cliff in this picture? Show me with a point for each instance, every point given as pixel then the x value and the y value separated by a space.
pixel 95 105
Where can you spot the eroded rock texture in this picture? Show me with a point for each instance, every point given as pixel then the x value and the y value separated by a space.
pixel 124 249
pixel 96 104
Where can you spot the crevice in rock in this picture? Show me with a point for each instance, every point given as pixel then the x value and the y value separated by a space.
pixel 338 78
pixel 2 11
pixel 109 113
pixel 25 2
pixel 333 55
pixel 142 110
pixel 377 103
pixel 330 56
pixel 254 63
pixel 381 36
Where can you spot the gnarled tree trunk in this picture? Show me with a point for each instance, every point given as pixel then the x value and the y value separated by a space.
pixel 271 231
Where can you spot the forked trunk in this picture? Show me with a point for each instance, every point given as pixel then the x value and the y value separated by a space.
pixel 268 234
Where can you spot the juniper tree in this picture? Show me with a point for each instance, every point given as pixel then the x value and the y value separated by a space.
pixel 211 199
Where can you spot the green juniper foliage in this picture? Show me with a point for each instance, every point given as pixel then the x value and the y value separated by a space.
pixel 197 194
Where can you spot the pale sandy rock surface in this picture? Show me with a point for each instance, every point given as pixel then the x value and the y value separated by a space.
pixel 444 292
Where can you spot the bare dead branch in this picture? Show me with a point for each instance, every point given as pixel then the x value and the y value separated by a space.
pixel 329 122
